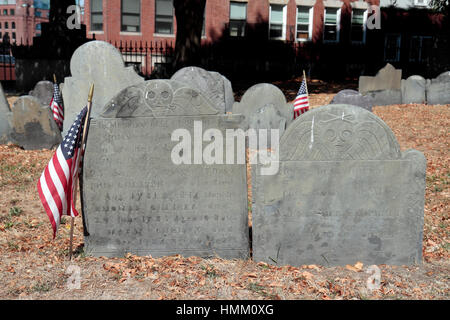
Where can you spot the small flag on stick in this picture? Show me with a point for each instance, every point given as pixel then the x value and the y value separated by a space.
pixel 301 103
pixel 56 185
pixel 57 106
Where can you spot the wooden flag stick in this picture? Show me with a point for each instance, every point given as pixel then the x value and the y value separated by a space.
pixel 83 141
pixel 54 79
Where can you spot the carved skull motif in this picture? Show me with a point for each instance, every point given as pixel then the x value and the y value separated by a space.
pixel 159 94
pixel 340 138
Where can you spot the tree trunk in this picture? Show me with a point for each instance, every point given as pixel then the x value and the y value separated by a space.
pixel 189 15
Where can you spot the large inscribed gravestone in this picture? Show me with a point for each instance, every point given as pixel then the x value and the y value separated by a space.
pixel 136 199
pixel 438 90
pixel 43 91
pixel 211 84
pixel 101 64
pixel 343 193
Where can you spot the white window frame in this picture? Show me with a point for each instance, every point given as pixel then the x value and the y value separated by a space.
pixel 365 15
pixel 399 42
pixel 338 25
pixel 283 30
pixel 310 24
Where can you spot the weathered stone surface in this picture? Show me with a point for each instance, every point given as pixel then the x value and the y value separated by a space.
pixel 212 85
pixel 438 90
pixel 43 91
pixel 353 98
pixel 343 193
pixel 5 115
pixel 33 126
pixel 255 104
pixel 413 90
pixel 137 200
pixel 387 78
pixel 101 64
pixel 385 97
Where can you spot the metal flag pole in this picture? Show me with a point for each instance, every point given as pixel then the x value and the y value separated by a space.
pixel 83 141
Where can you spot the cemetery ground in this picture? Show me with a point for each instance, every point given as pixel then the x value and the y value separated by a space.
pixel 34 266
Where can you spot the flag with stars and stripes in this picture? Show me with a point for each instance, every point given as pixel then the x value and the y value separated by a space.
pixel 57 183
pixel 57 107
pixel 301 103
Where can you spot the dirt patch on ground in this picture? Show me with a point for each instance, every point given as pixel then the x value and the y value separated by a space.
pixel 34 266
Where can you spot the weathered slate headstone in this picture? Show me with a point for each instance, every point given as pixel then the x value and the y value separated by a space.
pixel 211 84
pixel 343 193
pixel 262 106
pixel 413 90
pixel 5 115
pixel 43 91
pixel 385 97
pixel 33 126
pixel 353 98
pixel 137 200
pixel 438 90
pixel 101 64
pixel 387 78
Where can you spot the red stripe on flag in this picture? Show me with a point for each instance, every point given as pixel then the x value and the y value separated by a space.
pixel 47 208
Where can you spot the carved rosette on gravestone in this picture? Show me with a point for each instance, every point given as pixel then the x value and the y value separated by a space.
pixel 33 126
pixel 43 91
pixel 136 199
pixel 264 107
pixel 101 64
pixel 212 85
pixel 353 98
pixel 343 193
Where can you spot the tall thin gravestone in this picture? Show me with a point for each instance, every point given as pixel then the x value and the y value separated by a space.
pixel 136 199
pixel 343 193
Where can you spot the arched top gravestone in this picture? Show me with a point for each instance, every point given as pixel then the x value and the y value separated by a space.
pixel 213 85
pixel 101 64
pixel 339 132
pixel 139 198
pixel 263 106
pixel 158 98
pixel 343 193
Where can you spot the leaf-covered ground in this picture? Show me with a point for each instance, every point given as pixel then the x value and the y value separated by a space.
pixel 33 266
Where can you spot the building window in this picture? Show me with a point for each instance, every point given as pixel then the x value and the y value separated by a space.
pixel 38 27
pixel 392 45
pixel 96 15
pixel 331 25
pixel 5 12
pixel 238 18
pixel 358 33
pixel 421 3
pixel 131 16
pixel 0 25
pixel 12 12
pixel 277 18
pixel 164 17
pixel 420 48
pixel 14 36
pixel 304 23
pixel 204 22
pixel 6 25
pixel 13 25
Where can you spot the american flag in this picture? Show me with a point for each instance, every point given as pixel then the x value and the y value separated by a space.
pixel 301 103
pixel 57 107
pixel 57 183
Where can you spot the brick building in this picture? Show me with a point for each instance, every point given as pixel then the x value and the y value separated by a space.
pixel 21 20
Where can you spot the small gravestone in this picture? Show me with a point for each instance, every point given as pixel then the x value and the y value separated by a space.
pixel 43 91
pixel 5 115
pixel 353 98
pixel 385 97
pixel 33 126
pixel 413 90
pixel 264 106
pixel 212 85
pixel 101 64
pixel 343 193
pixel 138 200
pixel 438 90
pixel 387 78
